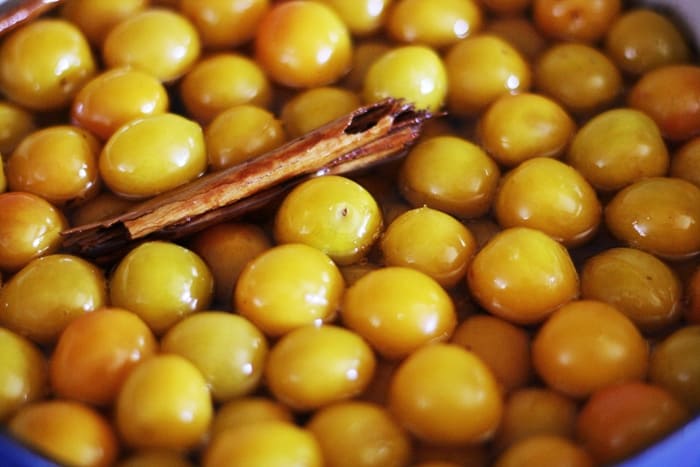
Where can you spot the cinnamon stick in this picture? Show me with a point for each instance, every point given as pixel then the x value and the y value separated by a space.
pixel 14 13
pixel 366 136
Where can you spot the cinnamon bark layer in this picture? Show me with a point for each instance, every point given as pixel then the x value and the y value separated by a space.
pixel 360 139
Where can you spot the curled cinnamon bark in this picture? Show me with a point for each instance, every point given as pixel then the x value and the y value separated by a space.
pixel 367 136
pixel 16 12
